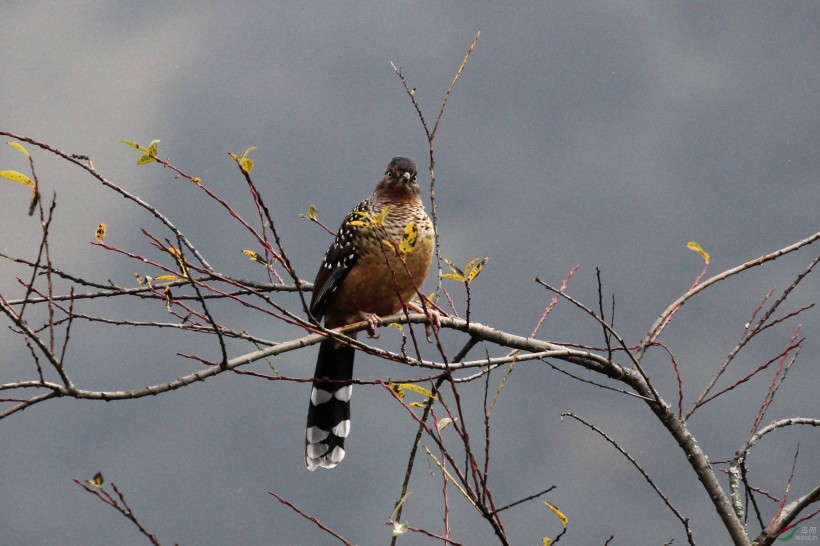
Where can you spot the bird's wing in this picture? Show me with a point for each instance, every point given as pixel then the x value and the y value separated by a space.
pixel 339 259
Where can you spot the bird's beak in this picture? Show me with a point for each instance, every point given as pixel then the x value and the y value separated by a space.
pixel 406 176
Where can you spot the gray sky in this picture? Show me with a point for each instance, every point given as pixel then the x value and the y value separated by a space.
pixel 601 134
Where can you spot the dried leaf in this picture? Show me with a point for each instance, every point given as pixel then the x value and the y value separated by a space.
pixel 97 480
pixel 100 233
pixel 399 528
pixel 443 422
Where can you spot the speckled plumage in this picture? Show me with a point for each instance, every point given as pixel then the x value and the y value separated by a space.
pixel 360 276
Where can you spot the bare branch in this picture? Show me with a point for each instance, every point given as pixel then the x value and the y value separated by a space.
pixel 653 330
pixel 684 520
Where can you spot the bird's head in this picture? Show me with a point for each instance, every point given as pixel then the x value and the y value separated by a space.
pixel 400 180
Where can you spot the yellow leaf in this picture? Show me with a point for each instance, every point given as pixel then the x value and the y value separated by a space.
pixel 177 254
pixel 433 298
pixel 417 405
pixel 254 256
pixel 144 160
pixel 401 387
pixel 169 299
pixel 475 269
pixel 196 180
pixel 140 281
pixel 19 147
pixel 97 480
pixel 398 389
pixel 558 514
pixel 135 145
pixel 397 326
pixel 246 164
pixel 168 278
pixel 312 212
pixel 692 245
pixel 408 240
pixel 153 148
pixel 547 541
pixel 383 214
pixel 17 177
pixel 100 233
pixel 454 269
pixel 368 219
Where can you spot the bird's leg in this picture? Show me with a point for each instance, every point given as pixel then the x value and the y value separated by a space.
pixel 433 318
pixel 373 321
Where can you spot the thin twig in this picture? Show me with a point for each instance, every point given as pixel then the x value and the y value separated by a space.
pixel 673 307
pixel 313 519
pixel 684 520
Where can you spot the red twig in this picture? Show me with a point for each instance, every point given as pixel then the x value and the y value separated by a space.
pixel 308 517
pixel 782 368
pixel 677 375
pixel 554 300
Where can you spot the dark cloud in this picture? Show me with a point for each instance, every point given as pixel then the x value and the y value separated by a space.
pixel 604 135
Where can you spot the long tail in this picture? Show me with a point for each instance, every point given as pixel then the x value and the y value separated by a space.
pixel 328 419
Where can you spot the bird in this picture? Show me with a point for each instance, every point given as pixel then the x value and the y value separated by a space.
pixel 363 276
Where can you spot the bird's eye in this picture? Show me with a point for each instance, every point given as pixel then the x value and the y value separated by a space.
pixel 414 178
pixel 389 174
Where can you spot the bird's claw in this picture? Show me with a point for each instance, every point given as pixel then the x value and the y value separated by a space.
pixel 433 319
pixel 373 322
pixel 433 323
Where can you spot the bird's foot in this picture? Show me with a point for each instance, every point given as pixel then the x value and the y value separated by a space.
pixel 373 322
pixel 433 319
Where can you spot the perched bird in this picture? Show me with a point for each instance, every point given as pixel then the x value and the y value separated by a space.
pixel 362 277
